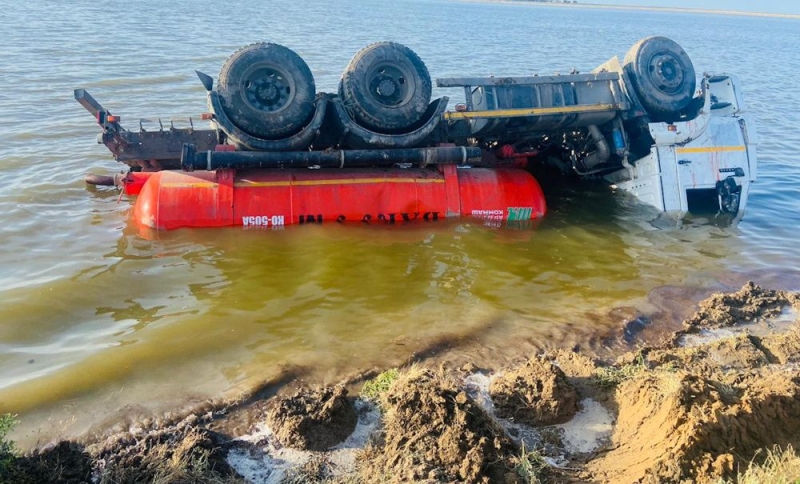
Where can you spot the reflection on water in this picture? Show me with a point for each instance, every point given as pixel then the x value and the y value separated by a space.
pixel 100 320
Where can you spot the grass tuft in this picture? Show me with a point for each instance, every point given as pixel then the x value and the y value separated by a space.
pixel 780 467
pixel 319 470
pixel 7 450
pixel 373 389
pixel 185 461
pixel 530 466
pixel 314 471
pixel 611 376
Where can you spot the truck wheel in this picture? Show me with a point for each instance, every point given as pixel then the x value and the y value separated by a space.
pixel 267 90
pixel 386 87
pixel 662 76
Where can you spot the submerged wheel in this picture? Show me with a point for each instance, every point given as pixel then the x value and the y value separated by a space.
pixel 662 76
pixel 267 90
pixel 386 87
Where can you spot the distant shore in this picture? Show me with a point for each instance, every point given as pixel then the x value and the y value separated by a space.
pixel 735 13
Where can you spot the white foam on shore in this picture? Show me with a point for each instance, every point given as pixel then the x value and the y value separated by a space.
pixel 477 387
pixel 264 460
pixel 589 429
pixel 261 459
pixel 343 456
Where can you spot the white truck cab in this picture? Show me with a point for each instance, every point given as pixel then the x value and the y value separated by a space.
pixel 712 156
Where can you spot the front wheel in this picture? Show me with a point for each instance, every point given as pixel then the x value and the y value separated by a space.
pixel 662 76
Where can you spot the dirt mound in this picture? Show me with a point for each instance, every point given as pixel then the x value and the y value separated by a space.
pixel 182 453
pixel 574 365
pixel 782 348
pixel 748 304
pixel 433 432
pixel 536 394
pixel 65 463
pixel 742 352
pixel 313 419
pixel 732 357
pixel 702 412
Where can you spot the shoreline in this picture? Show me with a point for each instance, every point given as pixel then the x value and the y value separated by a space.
pixel 636 8
pixel 734 359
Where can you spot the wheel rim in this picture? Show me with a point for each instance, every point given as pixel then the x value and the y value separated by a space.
pixel 390 85
pixel 666 71
pixel 267 88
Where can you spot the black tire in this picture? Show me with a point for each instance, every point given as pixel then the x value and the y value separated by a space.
pixel 386 87
pixel 267 91
pixel 662 75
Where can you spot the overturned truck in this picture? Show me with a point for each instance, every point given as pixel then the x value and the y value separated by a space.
pixel 380 150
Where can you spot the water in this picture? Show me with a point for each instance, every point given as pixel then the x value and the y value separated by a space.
pixel 100 322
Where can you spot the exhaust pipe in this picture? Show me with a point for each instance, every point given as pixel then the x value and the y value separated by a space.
pixel 212 160
pixel 602 153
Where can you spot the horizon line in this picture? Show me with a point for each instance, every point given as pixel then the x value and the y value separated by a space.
pixel 738 13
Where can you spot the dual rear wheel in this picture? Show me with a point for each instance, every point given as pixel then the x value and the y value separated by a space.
pixel 268 91
pixel 386 87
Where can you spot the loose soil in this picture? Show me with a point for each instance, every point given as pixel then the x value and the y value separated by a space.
pixel 748 304
pixel 181 453
pixel 782 348
pixel 184 452
pixel 536 394
pixel 65 463
pixel 700 413
pixel 698 424
pixel 433 432
pixel 313 419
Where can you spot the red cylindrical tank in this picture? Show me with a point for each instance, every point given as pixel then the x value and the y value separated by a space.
pixel 268 198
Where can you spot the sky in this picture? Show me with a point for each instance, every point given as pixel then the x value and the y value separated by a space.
pixel 769 6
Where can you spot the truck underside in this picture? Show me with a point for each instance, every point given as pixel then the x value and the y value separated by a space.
pixel 277 152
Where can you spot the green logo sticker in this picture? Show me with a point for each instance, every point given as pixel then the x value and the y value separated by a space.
pixel 519 213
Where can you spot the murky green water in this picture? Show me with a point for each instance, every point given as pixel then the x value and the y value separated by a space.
pixel 99 321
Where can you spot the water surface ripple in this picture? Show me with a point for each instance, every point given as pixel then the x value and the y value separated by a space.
pixel 98 319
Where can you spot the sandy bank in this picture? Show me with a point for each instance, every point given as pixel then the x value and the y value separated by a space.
pixel 699 407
